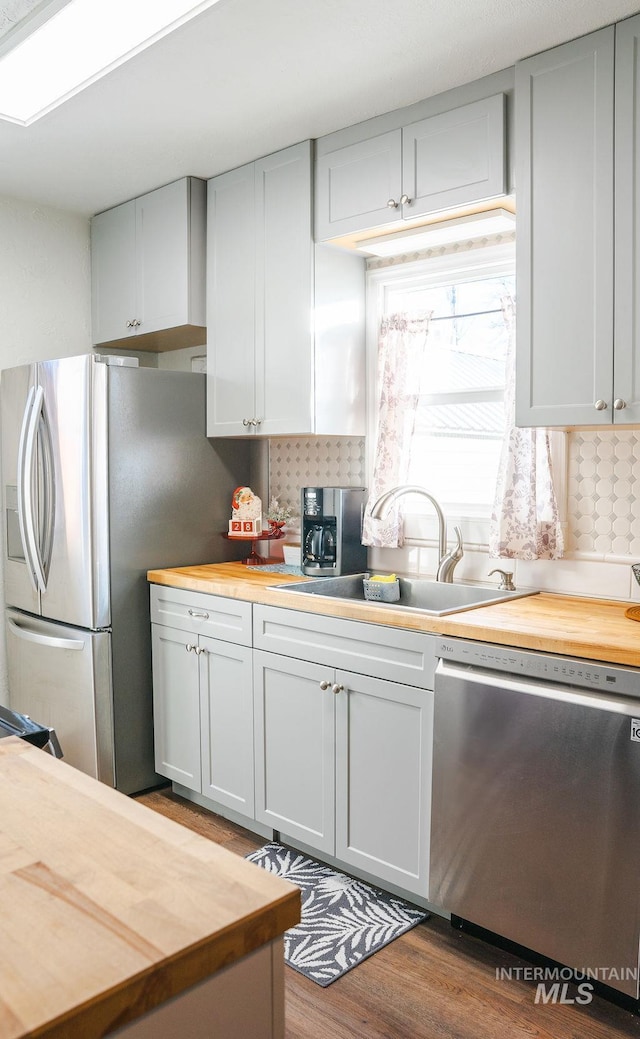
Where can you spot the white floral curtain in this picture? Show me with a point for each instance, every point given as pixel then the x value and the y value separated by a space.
pixel 525 522
pixel 400 357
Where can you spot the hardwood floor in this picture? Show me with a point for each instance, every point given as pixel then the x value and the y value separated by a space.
pixel 432 982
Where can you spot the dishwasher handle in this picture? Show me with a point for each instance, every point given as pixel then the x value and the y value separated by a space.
pixel 535 687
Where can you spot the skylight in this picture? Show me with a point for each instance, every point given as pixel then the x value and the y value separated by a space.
pixel 79 44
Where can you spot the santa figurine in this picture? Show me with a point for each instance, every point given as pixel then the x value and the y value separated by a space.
pixel 246 513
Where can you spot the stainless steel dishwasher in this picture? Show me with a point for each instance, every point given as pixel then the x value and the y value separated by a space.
pixel 535 830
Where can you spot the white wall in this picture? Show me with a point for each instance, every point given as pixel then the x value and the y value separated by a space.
pixel 45 297
pixel 45 283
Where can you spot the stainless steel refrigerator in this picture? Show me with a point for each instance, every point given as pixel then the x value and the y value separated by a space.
pixel 107 473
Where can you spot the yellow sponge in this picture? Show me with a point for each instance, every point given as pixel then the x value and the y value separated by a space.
pixel 388 578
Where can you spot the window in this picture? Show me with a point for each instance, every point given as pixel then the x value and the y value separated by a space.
pixel 459 425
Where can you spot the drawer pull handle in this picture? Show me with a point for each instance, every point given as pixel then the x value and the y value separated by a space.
pixel 325 685
pixel 201 614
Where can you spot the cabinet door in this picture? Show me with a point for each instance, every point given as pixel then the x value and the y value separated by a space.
pixel 384 735
pixel 355 184
pixel 226 714
pixel 113 273
pixel 162 238
pixel 455 158
pixel 626 371
pixel 284 292
pixel 176 706
pixel 564 248
pixel 231 303
pixel 295 749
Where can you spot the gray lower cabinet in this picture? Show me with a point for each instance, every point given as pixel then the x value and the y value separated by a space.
pixel 292 734
pixel 343 760
pixel 343 764
pixel 295 749
pixel 383 779
pixel 176 706
pixel 202 695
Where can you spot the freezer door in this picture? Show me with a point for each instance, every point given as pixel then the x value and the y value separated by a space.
pixel 75 405
pixel 16 391
pixel 61 677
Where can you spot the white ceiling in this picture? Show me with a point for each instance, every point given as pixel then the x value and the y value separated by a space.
pixel 248 77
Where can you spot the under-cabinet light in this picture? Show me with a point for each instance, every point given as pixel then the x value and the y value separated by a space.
pixel 445 232
pixel 78 43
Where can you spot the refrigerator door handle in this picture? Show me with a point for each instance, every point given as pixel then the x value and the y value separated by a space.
pixel 48 489
pixel 43 640
pixel 24 488
pixel 26 505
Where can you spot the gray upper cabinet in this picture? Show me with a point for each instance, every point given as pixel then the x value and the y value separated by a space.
pixel 447 160
pixel 576 330
pixel 285 349
pixel 358 186
pixel 626 372
pixel 230 301
pixel 148 270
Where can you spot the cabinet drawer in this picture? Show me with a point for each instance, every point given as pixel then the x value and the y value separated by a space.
pixel 202 614
pixel 368 649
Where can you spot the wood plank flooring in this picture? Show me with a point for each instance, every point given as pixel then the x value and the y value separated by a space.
pixel 431 983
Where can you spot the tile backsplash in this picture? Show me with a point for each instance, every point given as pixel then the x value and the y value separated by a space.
pixel 603 493
pixel 603 510
pixel 297 462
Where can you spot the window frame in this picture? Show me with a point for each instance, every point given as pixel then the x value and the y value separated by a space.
pixel 438 267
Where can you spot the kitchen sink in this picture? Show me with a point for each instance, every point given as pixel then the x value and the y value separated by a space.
pixel 435 598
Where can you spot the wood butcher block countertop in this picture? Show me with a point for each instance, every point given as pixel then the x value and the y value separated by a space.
pixel 595 629
pixel 109 909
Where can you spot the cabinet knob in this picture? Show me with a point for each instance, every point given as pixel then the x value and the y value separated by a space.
pixel 189 648
pixel 619 404
pixel 325 685
pixel 335 688
pixel 199 650
pixel 246 422
pixel 134 324
pixel 256 421
pixel 600 405
pixel 392 204
pixel 405 200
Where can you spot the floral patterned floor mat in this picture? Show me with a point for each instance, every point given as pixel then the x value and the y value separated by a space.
pixel 344 920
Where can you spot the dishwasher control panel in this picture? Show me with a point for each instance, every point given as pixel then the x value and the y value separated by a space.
pixel 587 674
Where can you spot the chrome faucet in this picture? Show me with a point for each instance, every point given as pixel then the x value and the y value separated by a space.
pixel 446 560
